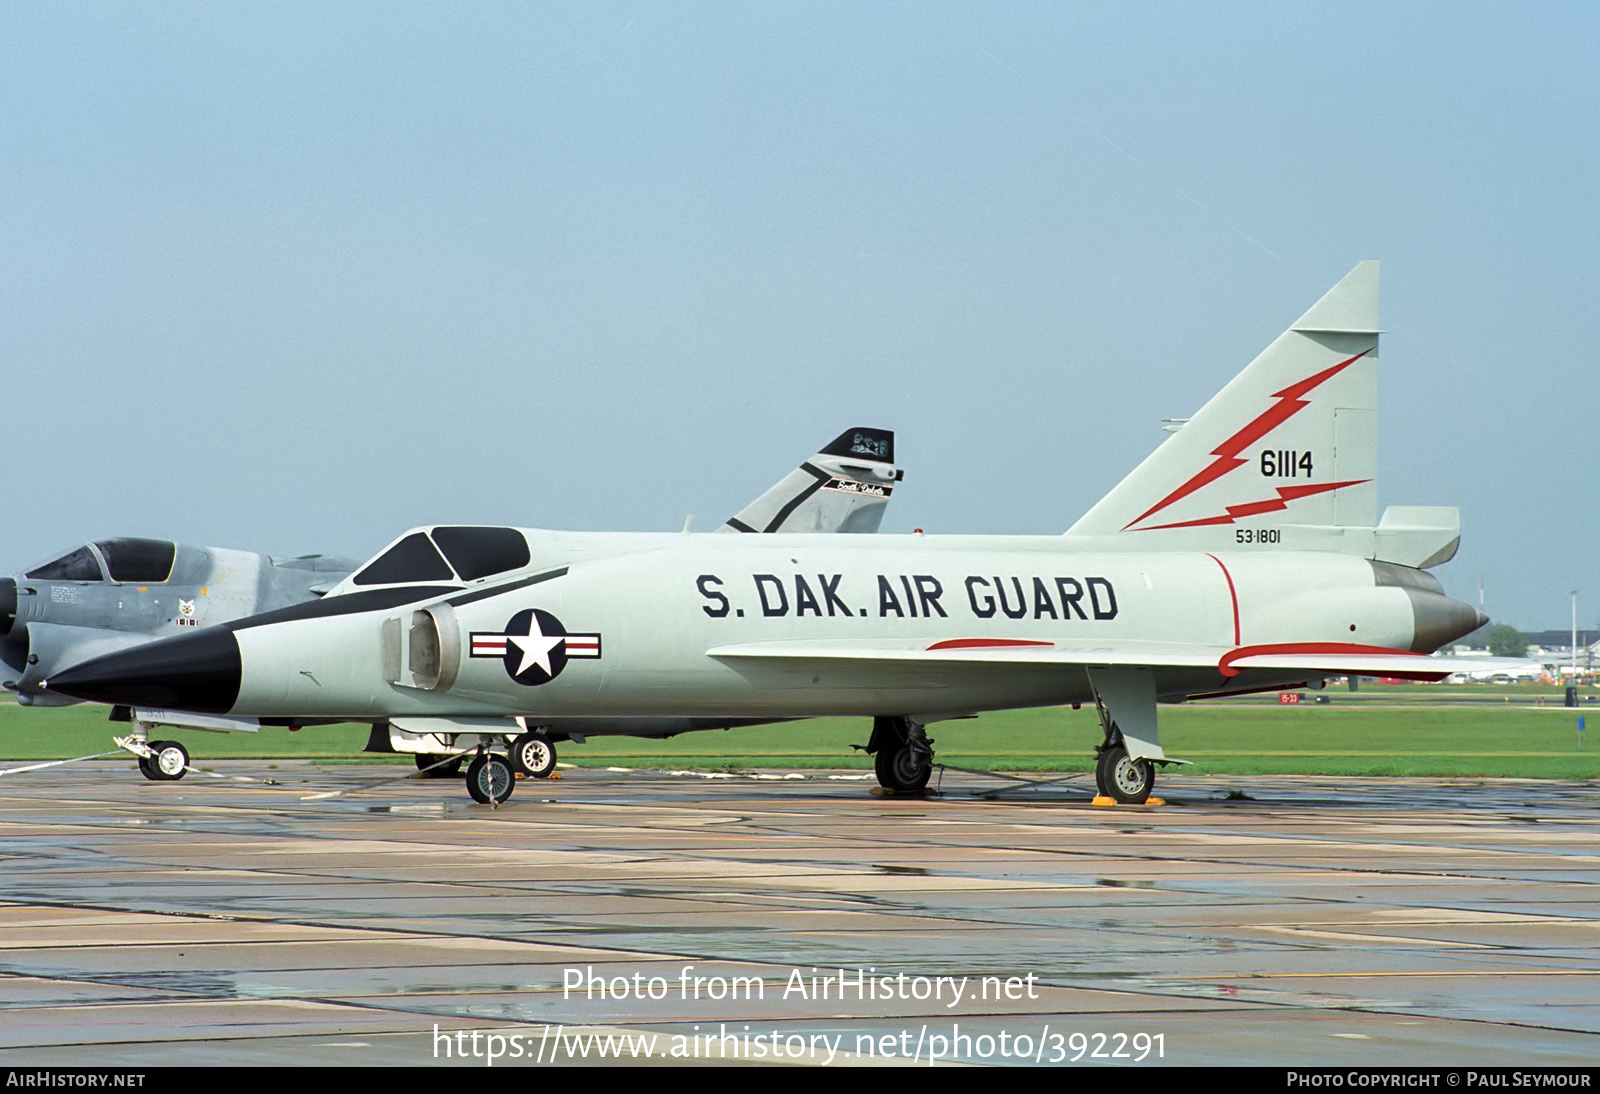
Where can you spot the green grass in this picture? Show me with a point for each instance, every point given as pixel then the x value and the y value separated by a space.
pixel 1406 734
pixel 53 733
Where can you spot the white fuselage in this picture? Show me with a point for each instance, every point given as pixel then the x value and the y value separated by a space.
pixel 641 611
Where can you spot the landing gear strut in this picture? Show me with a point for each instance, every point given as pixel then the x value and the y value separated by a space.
pixel 902 754
pixel 1125 768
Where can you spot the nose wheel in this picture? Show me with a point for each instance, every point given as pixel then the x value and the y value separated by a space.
pixel 168 761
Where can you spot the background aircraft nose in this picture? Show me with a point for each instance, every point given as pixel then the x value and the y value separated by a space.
pixel 8 605
pixel 196 672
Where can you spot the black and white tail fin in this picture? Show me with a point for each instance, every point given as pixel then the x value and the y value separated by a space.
pixel 843 488
pixel 1286 454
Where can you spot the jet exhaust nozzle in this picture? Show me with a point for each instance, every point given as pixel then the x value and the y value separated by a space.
pixel 1437 620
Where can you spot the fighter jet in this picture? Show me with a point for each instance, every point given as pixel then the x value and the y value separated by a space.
pixel 1245 554
pixel 117 593
pixel 127 591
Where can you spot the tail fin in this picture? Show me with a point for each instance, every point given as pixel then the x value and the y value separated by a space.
pixel 1286 453
pixel 843 488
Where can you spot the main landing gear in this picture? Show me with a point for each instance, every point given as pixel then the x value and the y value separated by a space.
pixel 1125 767
pixel 490 779
pixel 534 754
pixel 495 751
pixel 902 754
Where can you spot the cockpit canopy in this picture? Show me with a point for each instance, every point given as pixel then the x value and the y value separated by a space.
pixel 447 553
pixel 145 561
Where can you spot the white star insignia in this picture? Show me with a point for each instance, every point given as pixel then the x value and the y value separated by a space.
pixel 536 647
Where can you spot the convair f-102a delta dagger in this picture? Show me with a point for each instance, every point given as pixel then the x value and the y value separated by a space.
pixel 1245 554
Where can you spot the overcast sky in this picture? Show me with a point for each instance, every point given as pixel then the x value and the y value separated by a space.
pixel 293 278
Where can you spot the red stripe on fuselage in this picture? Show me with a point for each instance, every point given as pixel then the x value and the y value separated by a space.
pixel 1225 666
pixel 1233 596
pixel 979 643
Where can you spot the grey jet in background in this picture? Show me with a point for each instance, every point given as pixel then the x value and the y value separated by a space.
pixel 117 593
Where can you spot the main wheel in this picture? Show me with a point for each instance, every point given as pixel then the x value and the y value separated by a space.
pixel 490 779
pixel 426 760
pixel 902 768
pixel 534 754
pixel 170 761
pixel 1126 780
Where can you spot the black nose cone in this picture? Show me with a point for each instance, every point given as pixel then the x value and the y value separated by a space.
pixel 196 672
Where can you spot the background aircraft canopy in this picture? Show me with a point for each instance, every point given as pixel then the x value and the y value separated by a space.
pixel 127 558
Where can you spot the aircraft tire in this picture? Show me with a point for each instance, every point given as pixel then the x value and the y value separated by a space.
pixel 1125 780
pixel 534 754
pixel 170 761
pixel 448 771
pixel 903 769
pixel 148 771
pixel 490 779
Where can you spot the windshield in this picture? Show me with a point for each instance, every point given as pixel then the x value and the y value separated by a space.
pixel 412 559
pixel 79 565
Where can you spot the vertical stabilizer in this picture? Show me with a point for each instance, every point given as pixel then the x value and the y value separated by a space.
pixel 1291 441
pixel 843 488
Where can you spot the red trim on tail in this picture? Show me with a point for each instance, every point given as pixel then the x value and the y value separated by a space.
pixel 1290 402
pixel 1286 494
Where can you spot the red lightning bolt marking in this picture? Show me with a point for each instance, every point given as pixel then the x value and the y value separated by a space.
pixel 1291 400
pixel 1286 494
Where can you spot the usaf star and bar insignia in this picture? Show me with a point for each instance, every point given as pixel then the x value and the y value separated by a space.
pixel 534 647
